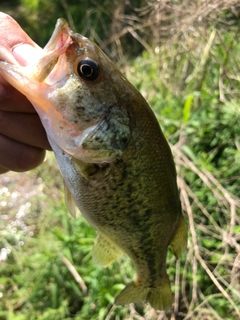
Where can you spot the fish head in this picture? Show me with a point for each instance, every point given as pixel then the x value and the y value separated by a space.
pixel 79 95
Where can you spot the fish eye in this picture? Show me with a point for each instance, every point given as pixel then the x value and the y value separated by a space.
pixel 88 69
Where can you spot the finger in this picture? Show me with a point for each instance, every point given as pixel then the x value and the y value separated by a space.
pixel 15 34
pixel 16 46
pixel 13 101
pixel 25 128
pixel 19 157
pixel 3 170
pixel 26 54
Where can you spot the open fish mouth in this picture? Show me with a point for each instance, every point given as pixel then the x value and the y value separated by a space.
pixel 59 37
pixel 51 68
pixel 42 68
pixel 56 46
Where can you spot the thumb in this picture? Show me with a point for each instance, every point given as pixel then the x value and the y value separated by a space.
pixel 15 40
pixel 26 54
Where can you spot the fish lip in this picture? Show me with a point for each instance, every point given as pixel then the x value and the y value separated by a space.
pixel 76 36
pixel 56 46
pixel 60 36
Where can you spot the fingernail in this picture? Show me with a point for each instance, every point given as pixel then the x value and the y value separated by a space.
pixel 26 54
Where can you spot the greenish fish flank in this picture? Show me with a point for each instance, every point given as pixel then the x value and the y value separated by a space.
pixel 116 164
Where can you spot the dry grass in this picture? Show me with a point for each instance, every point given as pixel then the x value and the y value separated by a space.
pixel 213 262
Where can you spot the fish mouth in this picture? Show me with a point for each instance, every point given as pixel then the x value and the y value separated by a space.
pixel 46 71
pixel 56 46
pixel 59 37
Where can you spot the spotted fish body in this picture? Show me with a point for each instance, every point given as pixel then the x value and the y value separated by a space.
pixel 116 164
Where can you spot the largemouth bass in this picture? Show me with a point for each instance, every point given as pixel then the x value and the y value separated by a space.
pixel 115 161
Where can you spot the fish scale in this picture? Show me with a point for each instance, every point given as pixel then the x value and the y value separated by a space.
pixel 116 164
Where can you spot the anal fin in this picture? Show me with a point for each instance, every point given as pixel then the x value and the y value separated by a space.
pixel 104 251
pixel 179 241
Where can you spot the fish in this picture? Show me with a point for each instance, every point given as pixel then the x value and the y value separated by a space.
pixel 116 164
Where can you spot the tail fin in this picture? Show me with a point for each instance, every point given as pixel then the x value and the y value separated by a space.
pixel 160 297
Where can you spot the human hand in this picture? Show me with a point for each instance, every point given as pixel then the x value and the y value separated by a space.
pixel 23 140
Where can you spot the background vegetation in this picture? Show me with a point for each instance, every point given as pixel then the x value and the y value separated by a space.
pixel 184 58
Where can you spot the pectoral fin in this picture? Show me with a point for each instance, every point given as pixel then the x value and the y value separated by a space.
pixel 104 251
pixel 91 170
pixel 69 201
pixel 179 241
pixel 85 169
